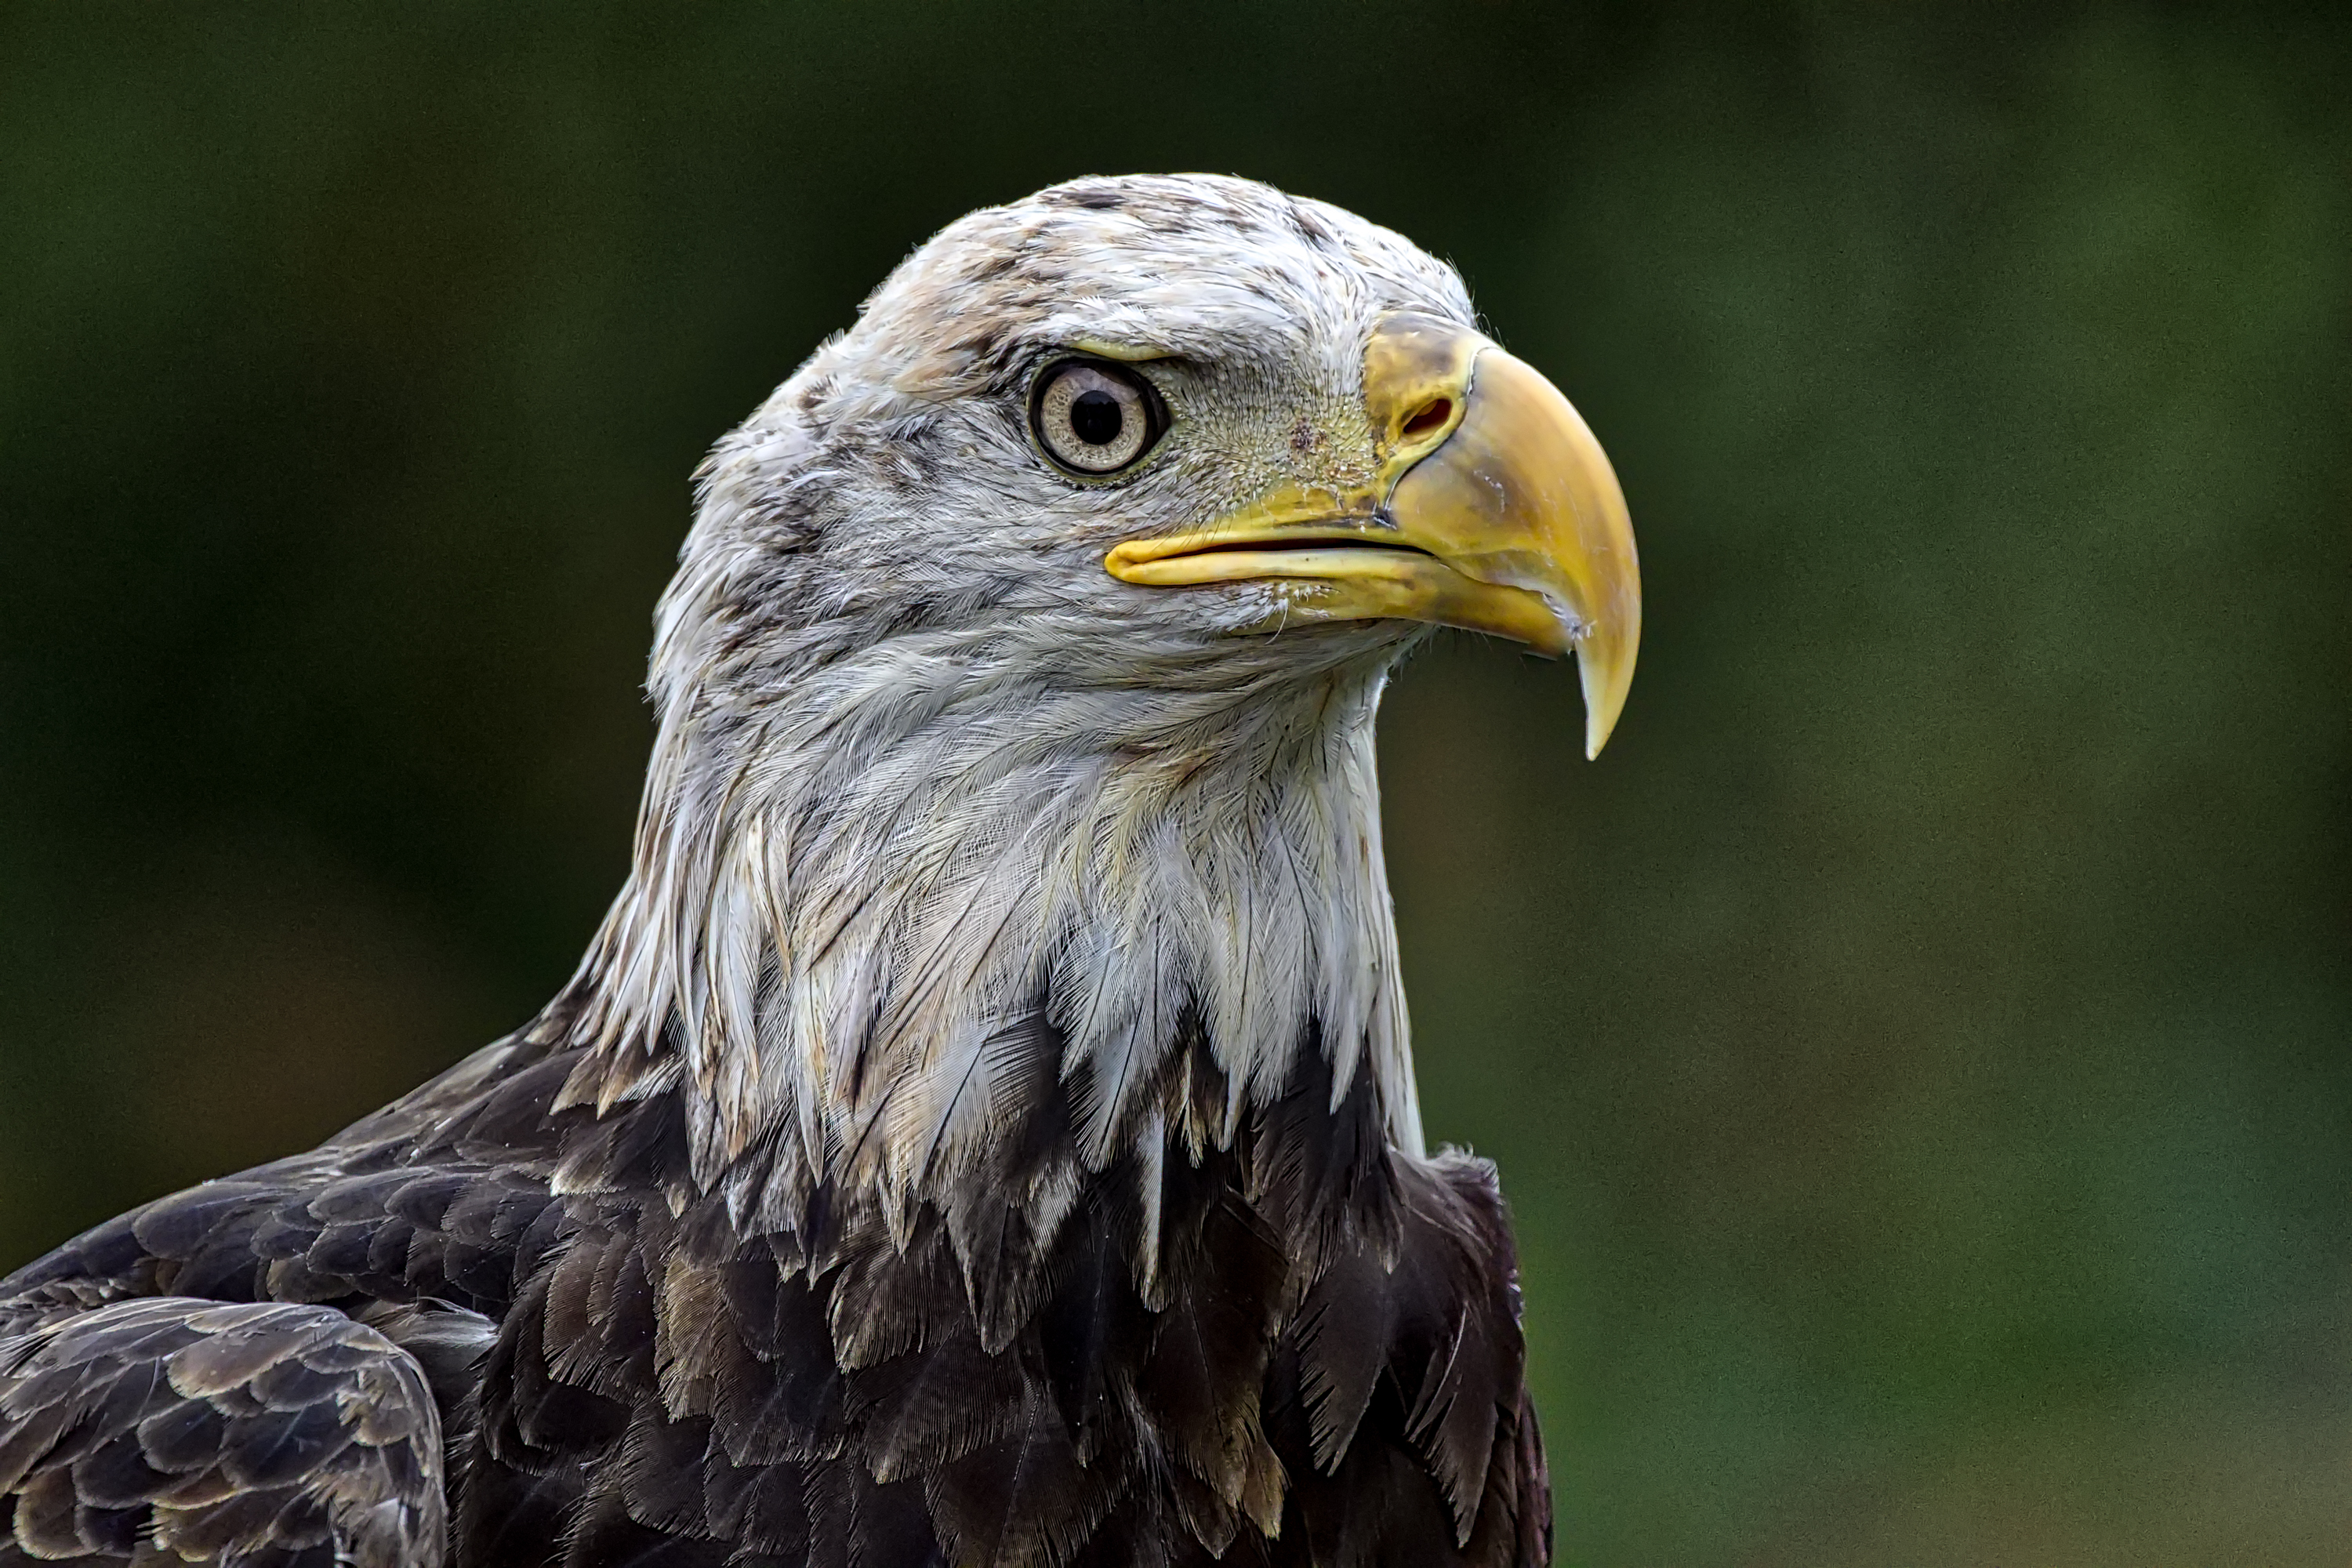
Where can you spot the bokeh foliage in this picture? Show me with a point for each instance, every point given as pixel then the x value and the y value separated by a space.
pixel 1917 1052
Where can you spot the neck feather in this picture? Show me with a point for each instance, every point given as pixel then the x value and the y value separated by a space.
pixel 874 924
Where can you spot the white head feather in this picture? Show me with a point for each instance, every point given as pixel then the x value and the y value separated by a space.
pixel 925 769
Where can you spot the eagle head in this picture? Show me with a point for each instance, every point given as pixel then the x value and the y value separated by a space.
pixel 1016 685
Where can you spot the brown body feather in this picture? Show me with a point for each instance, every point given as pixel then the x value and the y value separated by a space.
pixel 621 1377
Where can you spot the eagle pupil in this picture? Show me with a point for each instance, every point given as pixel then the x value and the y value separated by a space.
pixel 1094 417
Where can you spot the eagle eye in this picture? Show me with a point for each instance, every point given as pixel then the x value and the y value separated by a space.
pixel 1094 417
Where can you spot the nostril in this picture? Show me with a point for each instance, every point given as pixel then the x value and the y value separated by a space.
pixel 1431 415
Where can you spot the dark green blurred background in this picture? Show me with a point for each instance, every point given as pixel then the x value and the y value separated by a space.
pixel 1917 1051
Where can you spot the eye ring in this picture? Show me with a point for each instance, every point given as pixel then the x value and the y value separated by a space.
pixel 1094 417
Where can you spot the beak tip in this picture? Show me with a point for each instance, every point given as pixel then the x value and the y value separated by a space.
pixel 1606 678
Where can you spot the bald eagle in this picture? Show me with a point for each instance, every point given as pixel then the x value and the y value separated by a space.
pixel 983 1132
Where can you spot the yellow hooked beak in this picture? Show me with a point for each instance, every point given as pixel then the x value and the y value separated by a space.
pixel 1493 508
